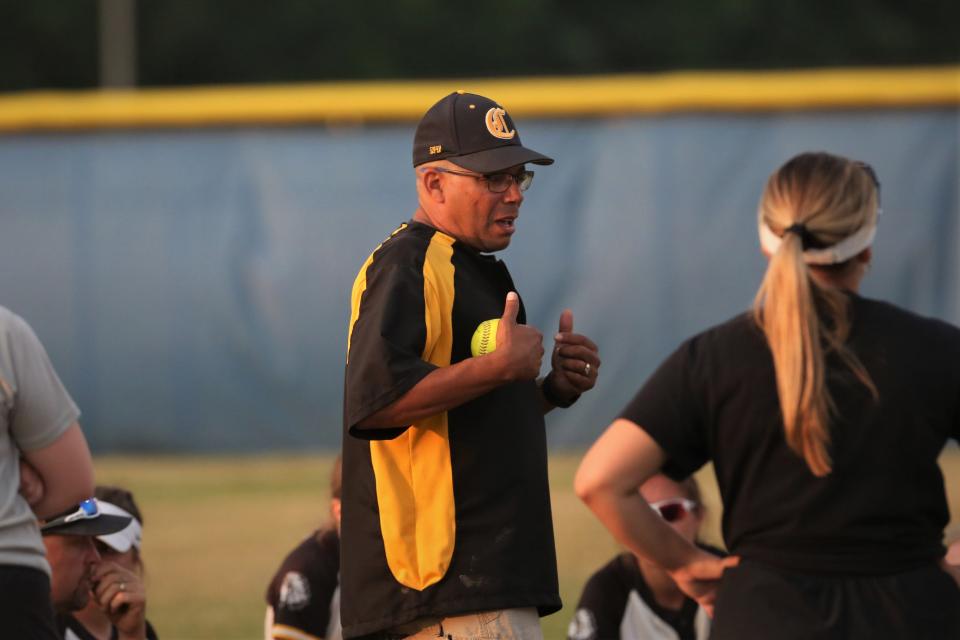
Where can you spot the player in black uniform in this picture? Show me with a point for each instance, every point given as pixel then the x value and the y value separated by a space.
pixel 634 599
pixel 446 503
pixel 824 413
pixel 303 599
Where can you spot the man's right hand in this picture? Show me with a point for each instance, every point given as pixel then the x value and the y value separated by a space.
pixel 519 346
pixel 120 594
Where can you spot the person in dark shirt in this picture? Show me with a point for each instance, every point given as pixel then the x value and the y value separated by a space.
pixel 303 598
pixel 446 502
pixel 824 413
pixel 632 598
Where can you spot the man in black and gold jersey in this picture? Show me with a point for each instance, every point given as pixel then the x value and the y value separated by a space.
pixel 446 508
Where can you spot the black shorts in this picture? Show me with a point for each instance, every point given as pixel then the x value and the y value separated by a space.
pixel 25 608
pixel 756 602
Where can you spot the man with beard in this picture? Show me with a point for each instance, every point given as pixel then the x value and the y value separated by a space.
pixel 73 557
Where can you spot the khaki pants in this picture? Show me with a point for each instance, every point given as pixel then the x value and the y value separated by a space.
pixel 505 624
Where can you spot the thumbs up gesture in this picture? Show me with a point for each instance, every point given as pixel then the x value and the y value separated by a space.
pixel 519 346
pixel 575 361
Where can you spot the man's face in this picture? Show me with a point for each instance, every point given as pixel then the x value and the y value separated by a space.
pixel 72 559
pixel 478 217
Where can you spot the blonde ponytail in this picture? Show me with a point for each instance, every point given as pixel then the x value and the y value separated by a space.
pixel 809 198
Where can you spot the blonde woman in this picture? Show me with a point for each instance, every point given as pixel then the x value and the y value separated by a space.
pixel 824 413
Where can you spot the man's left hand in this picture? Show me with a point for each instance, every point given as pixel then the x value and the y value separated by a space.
pixel 575 360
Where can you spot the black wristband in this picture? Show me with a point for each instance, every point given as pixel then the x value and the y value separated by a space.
pixel 551 396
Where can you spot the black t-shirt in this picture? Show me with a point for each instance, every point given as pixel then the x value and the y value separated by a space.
pixel 71 629
pixel 450 515
pixel 303 593
pixel 617 604
pixel 883 508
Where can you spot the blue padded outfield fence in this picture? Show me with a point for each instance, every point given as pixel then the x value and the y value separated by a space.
pixel 190 274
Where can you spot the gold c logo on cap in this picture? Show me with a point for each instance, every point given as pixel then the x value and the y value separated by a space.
pixel 497 124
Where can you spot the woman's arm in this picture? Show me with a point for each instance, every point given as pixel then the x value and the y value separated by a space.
pixel 608 481
pixel 66 471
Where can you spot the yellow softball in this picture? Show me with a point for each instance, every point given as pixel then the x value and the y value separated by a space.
pixel 484 339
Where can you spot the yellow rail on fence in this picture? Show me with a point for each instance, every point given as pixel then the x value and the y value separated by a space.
pixel 548 97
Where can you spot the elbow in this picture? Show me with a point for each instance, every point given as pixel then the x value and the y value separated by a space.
pixel 366 423
pixel 587 485
pixel 84 482
pixel 65 471
pixel 379 426
pixel 389 417
pixel 66 489
pixel 597 485
pixel 379 420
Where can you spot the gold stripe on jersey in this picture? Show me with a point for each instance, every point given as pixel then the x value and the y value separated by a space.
pixel 283 632
pixel 414 473
pixel 360 285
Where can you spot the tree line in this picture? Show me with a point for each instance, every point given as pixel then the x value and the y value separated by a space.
pixel 51 44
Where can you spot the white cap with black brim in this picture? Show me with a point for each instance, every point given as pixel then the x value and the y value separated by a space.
pixel 86 519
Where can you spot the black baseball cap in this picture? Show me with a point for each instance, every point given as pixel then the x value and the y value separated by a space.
pixel 86 519
pixel 474 132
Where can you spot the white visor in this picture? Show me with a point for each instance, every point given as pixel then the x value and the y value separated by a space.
pixel 127 537
pixel 840 252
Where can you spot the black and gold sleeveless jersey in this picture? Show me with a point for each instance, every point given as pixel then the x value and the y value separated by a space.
pixel 450 515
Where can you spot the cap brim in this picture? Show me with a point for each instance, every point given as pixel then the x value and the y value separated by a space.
pixel 500 159
pixel 99 526
pixel 117 541
pixel 127 537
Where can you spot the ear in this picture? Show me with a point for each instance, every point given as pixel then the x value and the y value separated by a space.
pixel 335 511
pixel 431 184
pixel 865 256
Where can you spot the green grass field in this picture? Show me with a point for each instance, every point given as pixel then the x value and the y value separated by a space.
pixel 217 527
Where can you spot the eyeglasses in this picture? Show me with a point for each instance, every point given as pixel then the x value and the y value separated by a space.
pixel 673 509
pixel 86 510
pixel 496 182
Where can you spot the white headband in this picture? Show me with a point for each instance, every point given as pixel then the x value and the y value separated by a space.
pixel 840 252
pixel 127 537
